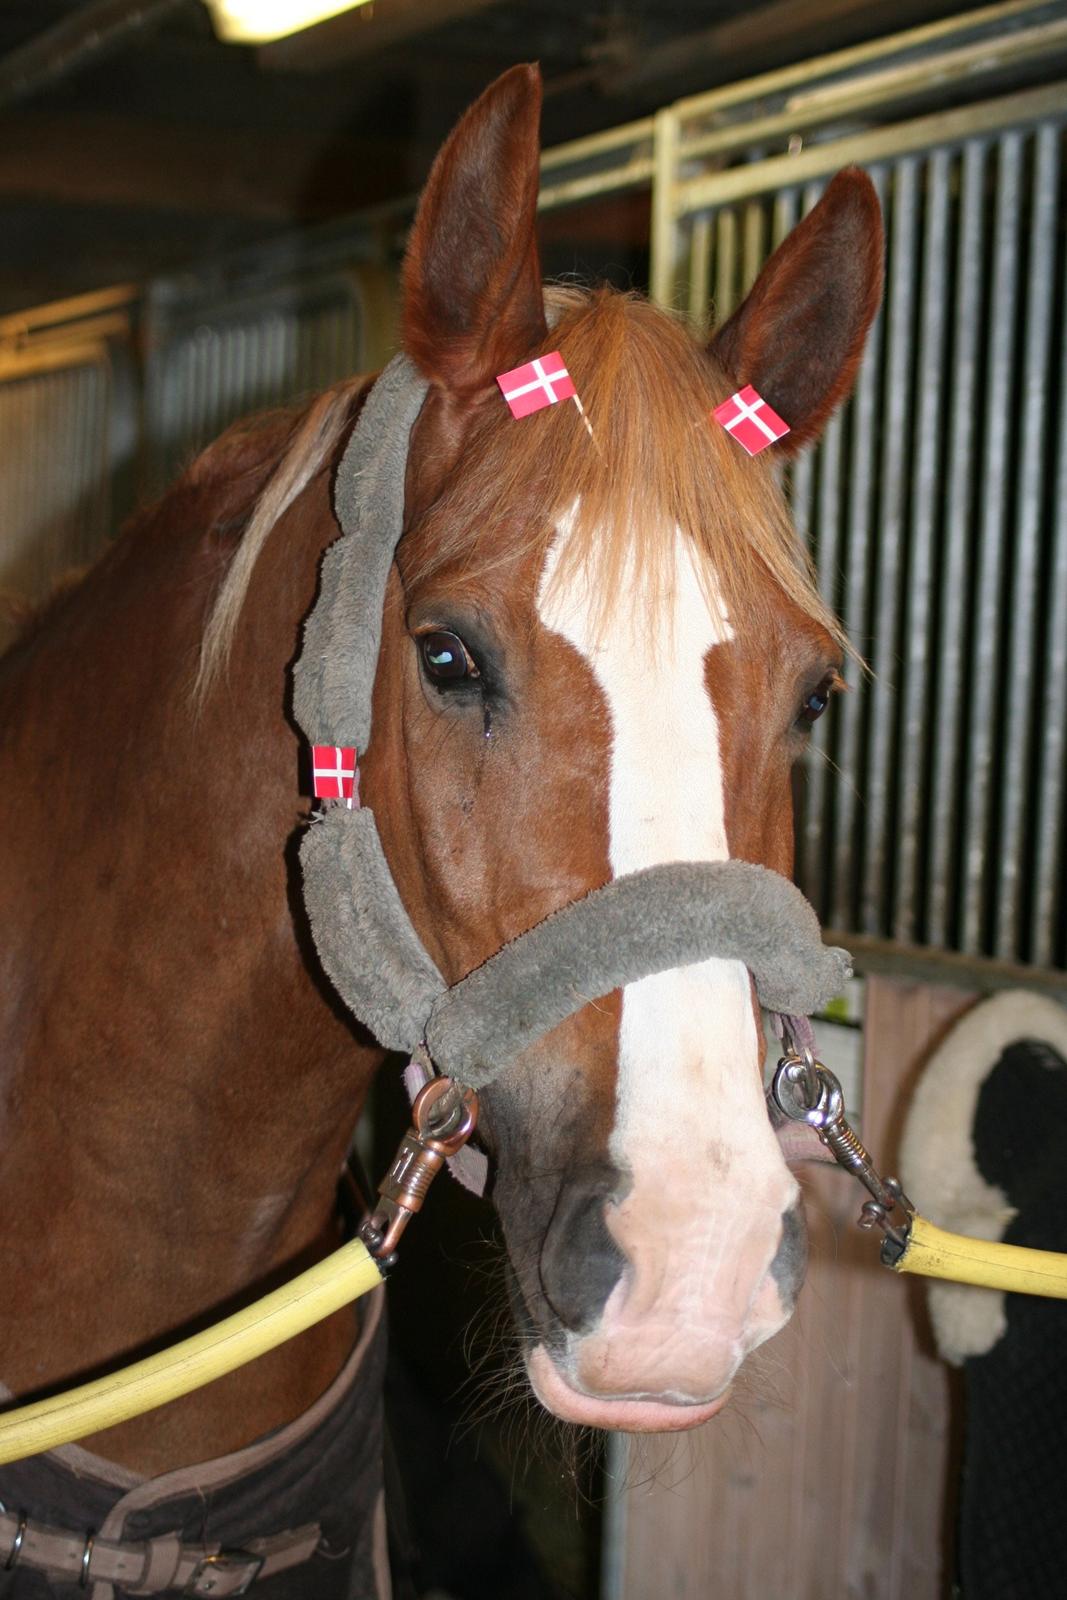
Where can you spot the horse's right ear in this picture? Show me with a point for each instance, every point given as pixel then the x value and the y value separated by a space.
pixel 472 298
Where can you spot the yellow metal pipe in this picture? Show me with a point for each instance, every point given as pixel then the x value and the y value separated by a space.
pixel 933 1253
pixel 324 1288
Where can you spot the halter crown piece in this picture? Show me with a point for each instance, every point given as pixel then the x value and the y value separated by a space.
pixel 641 923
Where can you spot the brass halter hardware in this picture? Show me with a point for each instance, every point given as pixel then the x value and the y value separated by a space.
pixel 443 1117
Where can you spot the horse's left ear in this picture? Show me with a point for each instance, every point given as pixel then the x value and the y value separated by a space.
pixel 798 337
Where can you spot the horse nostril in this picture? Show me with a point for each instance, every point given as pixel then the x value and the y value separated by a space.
pixel 791 1258
pixel 580 1261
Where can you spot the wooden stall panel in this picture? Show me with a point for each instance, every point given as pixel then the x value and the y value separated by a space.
pixel 828 1478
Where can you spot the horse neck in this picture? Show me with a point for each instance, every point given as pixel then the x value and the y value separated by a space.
pixel 173 1078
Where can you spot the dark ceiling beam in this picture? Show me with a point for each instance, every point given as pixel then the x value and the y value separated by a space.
pixel 76 41
pixel 760 38
pixel 355 35
pixel 140 165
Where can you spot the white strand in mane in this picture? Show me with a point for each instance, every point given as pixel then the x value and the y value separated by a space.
pixel 311 445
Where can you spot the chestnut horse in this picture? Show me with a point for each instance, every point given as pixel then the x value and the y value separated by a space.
pixel 600 652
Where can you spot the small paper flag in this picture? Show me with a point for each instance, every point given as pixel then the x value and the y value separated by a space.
pixel 541 382
pixel 748 418
pixel 334 772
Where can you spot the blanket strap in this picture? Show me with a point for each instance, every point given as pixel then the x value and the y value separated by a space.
pixel 150 1566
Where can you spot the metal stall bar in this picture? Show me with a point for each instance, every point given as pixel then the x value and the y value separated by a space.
pixel 987 643
pixel 851 712
pixel 950 671
pixel 1020 710
pixel 603 163
pixel 724 292
pixel 1048 918
pixel 879 784
pixel 667 244
pixel 817 478
pixel 918 652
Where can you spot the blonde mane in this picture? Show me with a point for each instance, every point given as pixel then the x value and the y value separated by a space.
pixel 311 444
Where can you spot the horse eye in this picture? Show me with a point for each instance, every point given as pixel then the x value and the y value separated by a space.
pixel 816 703
pixel 446 658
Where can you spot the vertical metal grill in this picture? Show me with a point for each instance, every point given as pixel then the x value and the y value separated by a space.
pixel 215 362
pixel 55 467
pixel 935 802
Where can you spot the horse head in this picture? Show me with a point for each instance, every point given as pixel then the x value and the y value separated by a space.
pixel 601 650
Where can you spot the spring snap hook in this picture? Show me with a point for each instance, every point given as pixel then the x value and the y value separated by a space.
pixel 443 1117
pixel 791 1090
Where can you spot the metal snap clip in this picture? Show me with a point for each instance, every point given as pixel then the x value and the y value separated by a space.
pixel 443 1117
pixel 889 1207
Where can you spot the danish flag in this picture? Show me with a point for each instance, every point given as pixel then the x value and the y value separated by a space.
pixel 748 418
pixel 334 773
pixel 541 382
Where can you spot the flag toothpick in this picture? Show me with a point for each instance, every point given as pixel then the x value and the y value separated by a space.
pixel 748 418
pixel 335 773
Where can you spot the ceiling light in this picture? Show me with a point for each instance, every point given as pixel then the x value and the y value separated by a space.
pixel 256 21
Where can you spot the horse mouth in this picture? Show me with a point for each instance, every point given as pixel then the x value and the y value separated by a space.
pixel 627 1414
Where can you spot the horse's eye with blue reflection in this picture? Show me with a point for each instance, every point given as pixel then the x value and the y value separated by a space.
pixel 446 658
pixel 816 703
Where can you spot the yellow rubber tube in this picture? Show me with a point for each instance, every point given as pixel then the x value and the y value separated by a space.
pixel 933 1253
pixel 324 1288
pixel 351 1272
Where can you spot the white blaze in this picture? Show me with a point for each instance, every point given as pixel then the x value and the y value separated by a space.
pixel 667 803
pixel 690 1127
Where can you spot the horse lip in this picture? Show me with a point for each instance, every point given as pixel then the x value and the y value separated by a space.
pixel 618 1413
pixel 525 1321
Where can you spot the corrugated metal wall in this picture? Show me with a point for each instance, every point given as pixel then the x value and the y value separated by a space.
pixel 934 808
pixel 55 473
pixel 215 362
pixel 936 795
pixel 90 426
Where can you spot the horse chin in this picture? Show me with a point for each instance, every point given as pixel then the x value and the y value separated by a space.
pixel 599 1411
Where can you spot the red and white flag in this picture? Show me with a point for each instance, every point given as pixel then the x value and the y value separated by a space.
pixel 748 418
pixel 334 773
pixel 541 382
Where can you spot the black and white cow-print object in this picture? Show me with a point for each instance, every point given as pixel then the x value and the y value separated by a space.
pixel 985 1153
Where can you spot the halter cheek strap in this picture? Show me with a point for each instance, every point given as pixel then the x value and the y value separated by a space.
pixel 646 922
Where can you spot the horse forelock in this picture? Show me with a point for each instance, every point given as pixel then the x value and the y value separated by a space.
pixel 655 462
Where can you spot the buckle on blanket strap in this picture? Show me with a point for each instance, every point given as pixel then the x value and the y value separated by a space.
pixel 224 1573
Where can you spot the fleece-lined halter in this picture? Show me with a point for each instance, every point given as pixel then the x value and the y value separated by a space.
pixel 639 924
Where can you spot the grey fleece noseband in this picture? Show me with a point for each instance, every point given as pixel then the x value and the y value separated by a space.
pixel 645 922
